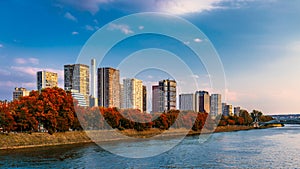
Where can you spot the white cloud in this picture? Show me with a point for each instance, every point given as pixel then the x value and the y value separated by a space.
pixel 86 5
pixel 197 40
pixel 187 6
pixel 23 61
pixel 75 33
pixel 69 16
pixel 11 84
pixel 195 76
pixel 33 70
pixel 4 72
pixel 141 27
pixel 89 28
pixel 122 27
pixel 1 46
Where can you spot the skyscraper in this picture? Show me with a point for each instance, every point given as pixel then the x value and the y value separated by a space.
pixel 187 102
pixel 164 96
pixel 215 105
pixel 76 78
pixel 109 87
pixel 93 97
pixel 202 101
pixel 46 80
pixel 237 111
pixel 133 94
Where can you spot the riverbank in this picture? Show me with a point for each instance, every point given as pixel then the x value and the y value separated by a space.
pixel 24 140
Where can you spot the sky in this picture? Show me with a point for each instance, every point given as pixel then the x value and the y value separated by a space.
pixel 258 43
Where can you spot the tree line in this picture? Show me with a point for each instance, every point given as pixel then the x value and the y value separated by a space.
pixel 54 110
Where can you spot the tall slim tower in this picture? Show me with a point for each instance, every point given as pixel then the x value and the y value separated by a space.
pixel 46 79
pixel 93 97
pixel 76 78
pixel 109 87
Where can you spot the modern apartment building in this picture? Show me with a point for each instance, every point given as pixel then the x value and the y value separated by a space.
pixel 227 110
pixel 187 102
pixel 46 79
pixel 20 92
pixel 133 94
pixel 76 78
pixel 164 96
pixel 202 101
pixel 237 111
pixel 215 105
pixel 109 87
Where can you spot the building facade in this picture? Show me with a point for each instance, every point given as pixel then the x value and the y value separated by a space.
pixel 109 87
pixel 202 101
pixel 227 110
pixel 20 92
pixel 215 105
pixel 46 79
pixel 164 96
pixel 237 111
pixel 187 102
pixel 156 99
pixel 133 94
pixel 144 98
pixel 76 78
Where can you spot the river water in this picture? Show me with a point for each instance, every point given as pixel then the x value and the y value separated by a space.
pixel 266 148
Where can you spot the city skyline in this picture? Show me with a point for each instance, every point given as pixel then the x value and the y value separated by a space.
pixel 258 44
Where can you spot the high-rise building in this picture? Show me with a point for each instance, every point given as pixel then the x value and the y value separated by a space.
pixel 237 111
pixel 109 87
pixel 144 98
pixel 215 105
pixel 164 96
pixel 227 109
pixel 133 94
pixel 202 101
pixel 156 99
pixel 76 78
pixel 46 80
pixel 20 92
pixel 187 102
pixel 93 97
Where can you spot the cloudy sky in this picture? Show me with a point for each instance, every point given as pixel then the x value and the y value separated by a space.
pixel 258 43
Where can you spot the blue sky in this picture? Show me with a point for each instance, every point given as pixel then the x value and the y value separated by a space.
pixel 258 43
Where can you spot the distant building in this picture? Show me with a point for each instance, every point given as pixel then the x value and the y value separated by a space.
pixel 109 87
pixel 144 98
pixel 79 97
pixel 133 94
pixel 187 102
pixel 164 96
pixel 202 101
pixel 77 78
pixel 93 96
pixel 46 80
pixel 237 111
pixel 227 110
pixel 156 99
pixel 20 92
pixel 215 104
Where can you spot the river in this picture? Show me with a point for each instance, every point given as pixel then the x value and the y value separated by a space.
pixel 265 148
